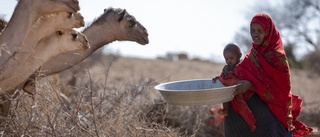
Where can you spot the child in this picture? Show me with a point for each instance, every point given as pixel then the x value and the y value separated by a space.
pixel 232 55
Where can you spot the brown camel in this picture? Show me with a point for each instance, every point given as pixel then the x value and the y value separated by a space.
pixel 45 26
pixel 59 42
pixel 115 24
pixel 24 16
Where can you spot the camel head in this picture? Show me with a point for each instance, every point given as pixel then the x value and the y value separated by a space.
pixel 72 39
pixel 68 20
pixel 59 21
pixel 120 25
pixel 60 42
pixel 130 28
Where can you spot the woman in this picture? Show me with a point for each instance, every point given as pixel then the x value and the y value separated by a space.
pixel 265 85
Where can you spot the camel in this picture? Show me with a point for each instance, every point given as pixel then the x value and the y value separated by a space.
pixel 59 42
pixel 25 14
pixel 45 26
pixel 114 24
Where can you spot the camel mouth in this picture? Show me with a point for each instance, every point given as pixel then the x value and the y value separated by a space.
pixel 145 40
pixel 81 24
pixel 86 45
pixel 142 38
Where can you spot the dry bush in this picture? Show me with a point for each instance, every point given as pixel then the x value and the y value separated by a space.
pixel 48 114
pixel 310 116
pixel 91 112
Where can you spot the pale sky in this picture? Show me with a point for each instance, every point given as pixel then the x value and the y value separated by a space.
pixel 199 28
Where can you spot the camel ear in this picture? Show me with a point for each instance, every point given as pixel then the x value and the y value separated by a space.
pixel 121 15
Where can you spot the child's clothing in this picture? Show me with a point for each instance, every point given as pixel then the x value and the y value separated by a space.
pixel 228 78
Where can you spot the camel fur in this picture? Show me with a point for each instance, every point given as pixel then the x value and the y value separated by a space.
pixel 24 16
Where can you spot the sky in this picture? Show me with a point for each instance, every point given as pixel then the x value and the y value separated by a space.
pixel 199 28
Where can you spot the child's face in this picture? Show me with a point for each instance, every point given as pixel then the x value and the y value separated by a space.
pixel 232 58
pixel 257 33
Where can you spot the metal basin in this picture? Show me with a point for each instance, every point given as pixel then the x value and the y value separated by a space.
pixel 195 92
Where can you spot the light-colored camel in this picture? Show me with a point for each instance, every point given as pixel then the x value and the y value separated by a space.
pixel 59 42
pixel 114 24
pixel 62 41
pixel 25 14
pixel 45 26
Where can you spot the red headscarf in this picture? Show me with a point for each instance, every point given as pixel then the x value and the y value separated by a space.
pixel 266 67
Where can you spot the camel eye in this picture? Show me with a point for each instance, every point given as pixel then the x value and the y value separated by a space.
pixel 70 15
pixel 74 36
pixel 59 33
pixel 132 23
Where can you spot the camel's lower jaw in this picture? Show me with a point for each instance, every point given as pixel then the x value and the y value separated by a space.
pixel 81 24
pixel 86 46
pixel 145 41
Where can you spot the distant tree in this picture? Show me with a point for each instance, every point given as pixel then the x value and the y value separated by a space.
pixel 313 63
pixel 293 62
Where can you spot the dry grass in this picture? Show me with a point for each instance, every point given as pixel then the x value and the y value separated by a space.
pixel 89 114
pixel 115 97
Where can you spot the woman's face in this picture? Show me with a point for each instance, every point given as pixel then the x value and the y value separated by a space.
pixel 257 33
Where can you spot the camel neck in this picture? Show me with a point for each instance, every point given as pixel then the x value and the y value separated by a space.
pixel 97 39
pixel 16 30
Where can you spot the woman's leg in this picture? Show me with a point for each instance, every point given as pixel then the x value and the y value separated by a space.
pixel 267 124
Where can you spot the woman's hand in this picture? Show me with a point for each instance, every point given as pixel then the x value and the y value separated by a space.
pixel 242 87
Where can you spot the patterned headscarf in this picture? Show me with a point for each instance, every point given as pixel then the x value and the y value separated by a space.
pixel 266 67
